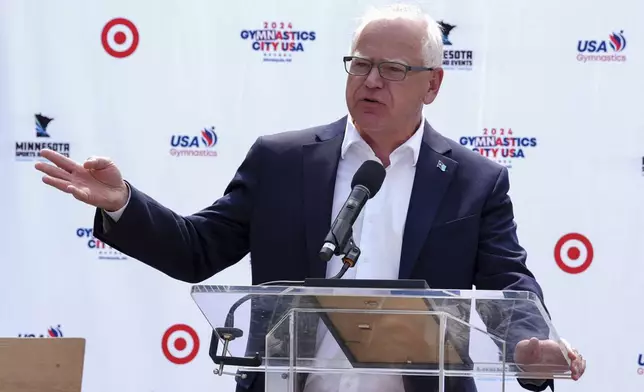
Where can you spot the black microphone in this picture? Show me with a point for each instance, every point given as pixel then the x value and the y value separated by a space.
pixel 365 184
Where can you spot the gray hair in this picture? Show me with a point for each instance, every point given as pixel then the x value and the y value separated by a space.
pixel 432 42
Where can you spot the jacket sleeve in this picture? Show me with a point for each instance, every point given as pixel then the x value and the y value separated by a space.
pixel 501 265
pixel 188 248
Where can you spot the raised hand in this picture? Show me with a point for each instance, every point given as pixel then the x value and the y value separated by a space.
pixel 97 182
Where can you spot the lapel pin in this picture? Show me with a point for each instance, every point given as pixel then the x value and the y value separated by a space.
pixel 441 165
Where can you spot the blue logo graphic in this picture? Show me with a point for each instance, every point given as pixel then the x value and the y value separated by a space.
pixel 41 125
pixel 617 41
pixel 609 50
pixel 446 28
pixel 194 145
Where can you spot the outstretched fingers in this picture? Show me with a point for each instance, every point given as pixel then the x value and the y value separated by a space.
pixel 60 160
pixel 53 171
pixel 67 187
pixel 57 183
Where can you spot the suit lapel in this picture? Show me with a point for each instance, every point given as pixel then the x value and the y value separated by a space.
pixel 434 172
pixel 320 167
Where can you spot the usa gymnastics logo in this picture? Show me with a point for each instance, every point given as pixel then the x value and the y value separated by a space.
pixel 52 332
pixel 201 145
pixel 602 50
pixel 500 145
pixel 277 41
pixel 454 58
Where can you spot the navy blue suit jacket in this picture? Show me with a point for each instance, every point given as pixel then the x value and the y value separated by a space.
pixel 460 228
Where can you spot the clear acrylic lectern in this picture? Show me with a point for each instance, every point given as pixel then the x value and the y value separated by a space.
pixel 436 340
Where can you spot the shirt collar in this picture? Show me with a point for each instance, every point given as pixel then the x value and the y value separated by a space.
pixel 353 138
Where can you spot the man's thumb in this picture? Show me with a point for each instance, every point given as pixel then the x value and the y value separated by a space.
pixel 96 163
pixel 533 346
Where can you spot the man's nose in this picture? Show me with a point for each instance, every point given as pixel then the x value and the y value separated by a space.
pixel 374 80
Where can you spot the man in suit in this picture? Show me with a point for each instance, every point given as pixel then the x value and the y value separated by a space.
pixel 443 213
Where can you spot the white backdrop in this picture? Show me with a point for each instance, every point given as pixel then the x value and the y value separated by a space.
pixel 192 70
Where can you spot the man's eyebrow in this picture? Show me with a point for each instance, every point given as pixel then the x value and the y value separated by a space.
pixel 397 60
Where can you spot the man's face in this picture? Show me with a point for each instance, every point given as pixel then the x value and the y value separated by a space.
pixel 377 104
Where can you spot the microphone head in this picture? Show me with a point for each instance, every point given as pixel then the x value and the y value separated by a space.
pixel 371 175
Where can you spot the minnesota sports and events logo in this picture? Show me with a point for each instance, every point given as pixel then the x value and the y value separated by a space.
pixel 503 145
pixel 454 57
pixel 278 41
pixel 30 150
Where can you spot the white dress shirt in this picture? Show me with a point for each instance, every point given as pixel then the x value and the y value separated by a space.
pixel 116 215
pixel 378 232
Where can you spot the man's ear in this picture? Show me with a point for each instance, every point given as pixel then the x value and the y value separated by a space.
pixel 435 81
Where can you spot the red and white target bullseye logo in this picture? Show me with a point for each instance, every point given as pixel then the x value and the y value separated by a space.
pixel 180 344
pixel 120 37
pixel 574 253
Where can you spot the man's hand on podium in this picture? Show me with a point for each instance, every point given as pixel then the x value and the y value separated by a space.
pixel 539 356
pixel 97 182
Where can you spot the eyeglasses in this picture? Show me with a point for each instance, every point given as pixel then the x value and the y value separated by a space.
pixel 389 70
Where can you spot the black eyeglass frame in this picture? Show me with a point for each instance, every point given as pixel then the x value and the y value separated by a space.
pixel 347 59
